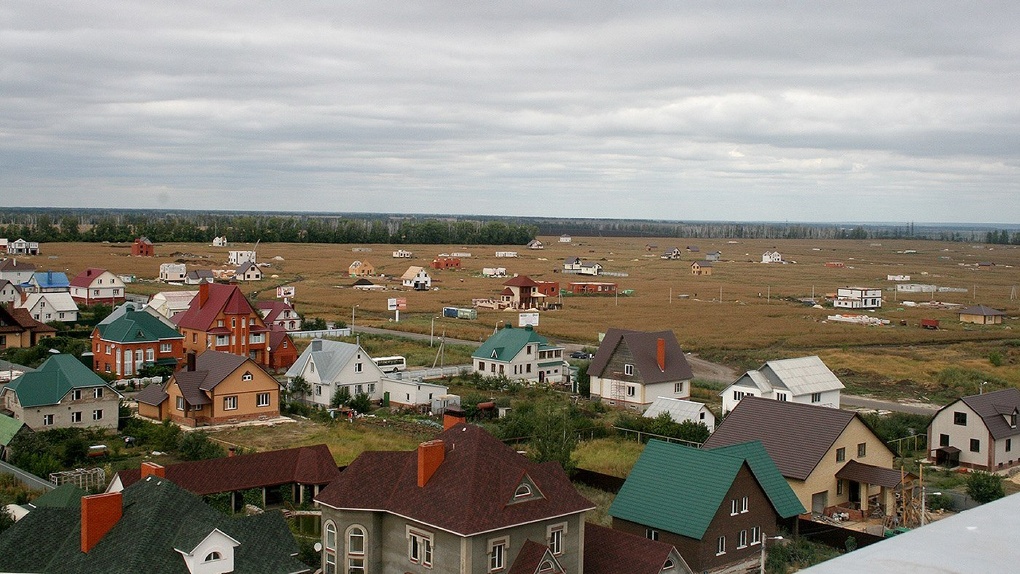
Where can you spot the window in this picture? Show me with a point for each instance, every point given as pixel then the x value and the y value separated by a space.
pixel 318 390
pixel 356 550
pixel 631 391
pixel 419 549
pixel 233 322
pixel 497 553
pixel 523 491
pixel 743 505
pixel 371 389
pixel 1009 444
pixel 222 340
pixel 76 417
pixel 358 367
pixel 481 366
pixel 862 450
pixel 839 488
pixel 733 507
pixel 943 440
pixel 330 547
pixel 840 454
pixel 230 403
pixel 180 403
pixel 975 445
pixel 781 397
pixel 257 338
pixel 97 415
pixel 359 389
pixel 742 539
pixel 678 387
pixel 97 393
pixel 213 556
pixel 960 419
pixel 555 538
pixel 262 400
pixel 47 420
pixel 755 535
pixel 816 397
pixel 247 376
pixel 628 369
pixel 76 395
pixel 720 546
pixel 165 348
pixel 651 534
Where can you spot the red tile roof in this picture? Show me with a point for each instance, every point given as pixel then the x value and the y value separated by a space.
pixel 227 299
pixel 471 492
pixel 521 281
pixel 86 277
pixel 19 319
pixel 530 558
pixel 608 551
pixel 305 465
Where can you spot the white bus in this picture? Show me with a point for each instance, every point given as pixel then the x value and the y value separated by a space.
pixel 391 364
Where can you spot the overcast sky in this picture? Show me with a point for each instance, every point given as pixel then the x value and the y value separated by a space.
pixel 779 111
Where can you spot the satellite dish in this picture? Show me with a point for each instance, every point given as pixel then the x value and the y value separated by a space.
pixel 318 546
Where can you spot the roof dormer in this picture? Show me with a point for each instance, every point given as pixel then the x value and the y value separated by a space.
pixel 213 554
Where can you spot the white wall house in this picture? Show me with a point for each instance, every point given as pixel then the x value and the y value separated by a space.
pixel 416 278
pixel 978 431
pixel 220 241
pixel 240 257
pixel 520 354
pixel 801 380
pixel 681 410
pixel 858 298
pixel 412 393
pixel 47 307
pixel 771 257
pixel 631 369
pixel 175 272
pixel 96 285
pixel 328 365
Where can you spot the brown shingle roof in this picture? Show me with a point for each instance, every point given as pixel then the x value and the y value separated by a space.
pixel 530 558
pixel 981 310
pixel 643 346
pixel 994 409
pixel 211 367
pixel 469 493
pixel 870 474
pixel 608 551
pixel 305 465
pixel 795 435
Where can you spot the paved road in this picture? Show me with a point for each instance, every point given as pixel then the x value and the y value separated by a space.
pixel 911 407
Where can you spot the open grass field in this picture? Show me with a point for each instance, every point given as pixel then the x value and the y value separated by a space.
pixel 743 314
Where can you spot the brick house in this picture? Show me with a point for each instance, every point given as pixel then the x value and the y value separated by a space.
pixel 128 341
pixel 220 318
pixel 19 330
pixel 143 247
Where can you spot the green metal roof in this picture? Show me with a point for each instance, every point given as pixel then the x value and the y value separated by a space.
pixel 679 489
pixel 506 343
pixel 136 327
pixel 8 428
pixel 64 496
pixel 53 380
pixel 765 470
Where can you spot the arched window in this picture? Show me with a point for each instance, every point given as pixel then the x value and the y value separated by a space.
pixel 522 491
pixel 213 556
pixel 329 552
pixel 356 549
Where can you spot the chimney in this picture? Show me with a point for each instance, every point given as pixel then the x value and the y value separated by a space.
pixel 453 416
pixel 660 353
pixel 99 513
pixel 316 345
pixel 231 452
pixel 191 361
pixel 430 456
pixel 153 469
pixel 203 294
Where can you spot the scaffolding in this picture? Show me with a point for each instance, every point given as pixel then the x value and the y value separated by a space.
pixel 89 479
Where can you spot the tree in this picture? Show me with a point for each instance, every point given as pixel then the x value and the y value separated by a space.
pixel 583 379
pixel 985 486
pixel 341 398
pixel 197 445
pixel 555 436
pixel 313 324
pixel 299 387
pixel 361 403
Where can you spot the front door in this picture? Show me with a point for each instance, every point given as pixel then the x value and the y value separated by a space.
pixel 819 501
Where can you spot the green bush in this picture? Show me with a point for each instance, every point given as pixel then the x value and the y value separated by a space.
pixel 985 486
pixel 197 445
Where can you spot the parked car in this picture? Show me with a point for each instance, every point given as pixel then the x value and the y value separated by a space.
pixel 581 355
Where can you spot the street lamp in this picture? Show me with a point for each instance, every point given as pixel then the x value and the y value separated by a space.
pixel 353 307
pixel 432 330
pixel 765 539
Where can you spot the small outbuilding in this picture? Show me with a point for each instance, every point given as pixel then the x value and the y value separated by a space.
pixel 981 315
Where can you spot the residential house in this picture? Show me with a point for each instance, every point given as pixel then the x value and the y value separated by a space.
pixel 366 285
pixel 829 457
pixel 61 393
pixel 977 431
pixel 95 285
pixel 715 506
pixel 282 351
pixel 240 257
pixel 680 410
pixel 416 278
pixel 446 263
pixel 48 307
pixel 199 276
pixel 402 254
pixel 361 269
pixel 493 271
pixel 502 254
pixel 462 503
pixel 288 475
pixel 609 551
pixel 713 256
pixel 9 293
pixel 771 257
pixel 153 526
pixel 9 428
pixel 565 238
pixel 535 244
pixel 674 254
pixel 633 368
pixel 175 272
pixel 521 292
pixel 281 314
pixel 21 247
pixel 19 330
pixel 48 282
pixel 328 366
pixel 143 247
pixel 858 298
pixel 17 272
pixel 520 353
pixel 220 318
pixel 981 315
pixel 693 249
pixel 213 388
pixel 701 268
pixel 133 340
pixel 171 303
pixel 799 380
pixel 248 271
pixel 592 288
pixel 576 265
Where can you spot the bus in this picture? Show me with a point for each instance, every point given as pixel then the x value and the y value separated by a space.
pixel 391 364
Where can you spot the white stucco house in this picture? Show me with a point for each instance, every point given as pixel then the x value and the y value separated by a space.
pixel 681 410
pixel 47 307
pixel 858 298
pixel 801 380
pixel 416 278
pixel 978 431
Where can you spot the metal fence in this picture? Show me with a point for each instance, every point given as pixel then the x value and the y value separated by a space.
pixel 345 332
pixel 642 436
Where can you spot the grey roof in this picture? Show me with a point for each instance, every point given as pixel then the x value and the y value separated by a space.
pixel 981 310
pixel 801 376
pixel 679 409
pixel 752 379
pixel 994 409
pixel 329 357
pixel 643 347
pixel 795 435
pixel 153 394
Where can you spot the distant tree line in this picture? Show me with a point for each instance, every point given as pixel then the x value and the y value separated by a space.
pixel 96 225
